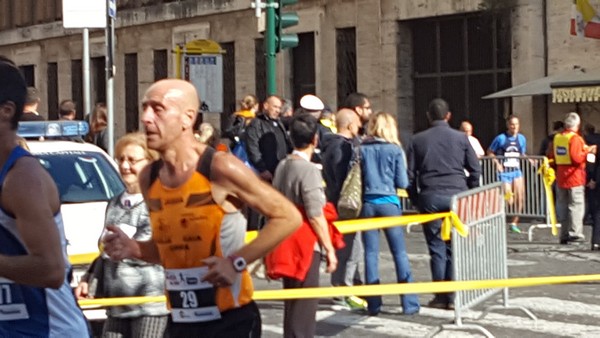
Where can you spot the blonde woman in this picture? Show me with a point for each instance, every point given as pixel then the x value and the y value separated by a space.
pixel 383 165
pixel 129 278
pixel 240 119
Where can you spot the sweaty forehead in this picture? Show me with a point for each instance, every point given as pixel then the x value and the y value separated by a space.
pixel 160 94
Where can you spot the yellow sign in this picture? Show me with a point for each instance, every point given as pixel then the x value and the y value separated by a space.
pixel 576 94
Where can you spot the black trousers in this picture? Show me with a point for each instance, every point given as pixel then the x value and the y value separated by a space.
pixel 243 322
pixel 596 217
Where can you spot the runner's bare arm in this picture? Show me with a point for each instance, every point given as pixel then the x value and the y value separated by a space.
pixel 239 181
pixel 491 154
pixel 29 194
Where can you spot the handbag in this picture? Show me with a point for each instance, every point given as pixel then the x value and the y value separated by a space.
pixel 95 278
pixel 350 202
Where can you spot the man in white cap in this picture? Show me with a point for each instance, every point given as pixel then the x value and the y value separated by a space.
pixel 311 104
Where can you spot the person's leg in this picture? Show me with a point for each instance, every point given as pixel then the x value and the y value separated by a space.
pixel 353 265
pixel 397 245
pixel 506 180
pixel 596 220
pixel 148 326
pixel 339 276
pixel 116 328
pixel 299 319
pixel 371 246
pixel 519 193
pixel 439 250
pixel 562 213
pixel 576 211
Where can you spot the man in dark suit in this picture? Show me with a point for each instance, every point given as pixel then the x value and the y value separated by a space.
pixel 437 160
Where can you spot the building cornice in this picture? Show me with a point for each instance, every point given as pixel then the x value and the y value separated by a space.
pixel 129 18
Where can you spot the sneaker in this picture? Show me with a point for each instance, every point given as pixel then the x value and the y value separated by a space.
pixel 514 228
pixel 356 303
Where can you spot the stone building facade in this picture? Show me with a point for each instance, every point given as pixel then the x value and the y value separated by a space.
pixel 400 53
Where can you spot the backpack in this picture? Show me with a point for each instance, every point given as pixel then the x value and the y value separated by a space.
pixel 236 129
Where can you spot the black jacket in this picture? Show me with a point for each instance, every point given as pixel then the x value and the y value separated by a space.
pixel 337 153
pixel 267 143
pixel 437 158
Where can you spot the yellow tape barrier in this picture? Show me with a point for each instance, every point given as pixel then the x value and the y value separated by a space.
pixel 548 177
pixel 81 259
pixel 370 290
pixel 449 220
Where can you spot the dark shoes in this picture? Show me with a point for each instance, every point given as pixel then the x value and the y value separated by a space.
pixel 437 304
pixel 595 247
pixel 572 239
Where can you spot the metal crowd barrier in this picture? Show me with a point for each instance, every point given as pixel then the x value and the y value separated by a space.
pixel 535 208
pixel 482 255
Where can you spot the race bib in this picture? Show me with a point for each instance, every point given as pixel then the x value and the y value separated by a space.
pixel 191 300
pixel 511 160
pixel 12 303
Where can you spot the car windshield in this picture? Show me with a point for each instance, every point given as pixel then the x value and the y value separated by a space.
pixel 82 176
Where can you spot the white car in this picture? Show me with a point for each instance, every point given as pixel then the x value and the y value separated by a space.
pixel 86 178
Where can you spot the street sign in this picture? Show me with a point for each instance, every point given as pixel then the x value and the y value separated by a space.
pixel 112 9
pixel 84 14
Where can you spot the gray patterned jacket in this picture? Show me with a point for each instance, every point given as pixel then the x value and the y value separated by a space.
pixel 132 277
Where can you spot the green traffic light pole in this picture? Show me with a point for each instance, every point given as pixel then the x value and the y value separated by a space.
pixel 271 47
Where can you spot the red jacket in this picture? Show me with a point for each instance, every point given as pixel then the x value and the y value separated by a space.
pixel 569 176
pixel 292 257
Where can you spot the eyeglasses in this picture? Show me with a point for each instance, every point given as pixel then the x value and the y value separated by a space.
pixel 130 161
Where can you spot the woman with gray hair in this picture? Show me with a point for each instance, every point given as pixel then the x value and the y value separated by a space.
pixel 130 277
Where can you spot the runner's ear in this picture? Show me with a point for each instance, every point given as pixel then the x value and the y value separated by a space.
pixel 7 111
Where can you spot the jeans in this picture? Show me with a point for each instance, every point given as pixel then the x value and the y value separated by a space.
pixel 570 208
pixel 395 239
pixel 439 250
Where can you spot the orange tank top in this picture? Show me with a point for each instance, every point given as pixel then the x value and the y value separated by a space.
pixel 186 227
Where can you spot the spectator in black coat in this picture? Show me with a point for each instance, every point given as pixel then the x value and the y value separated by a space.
pixel 267 141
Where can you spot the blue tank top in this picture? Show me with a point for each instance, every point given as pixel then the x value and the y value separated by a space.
pixel 27 311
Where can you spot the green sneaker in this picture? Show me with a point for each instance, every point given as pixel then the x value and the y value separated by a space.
pixel 356 303
pixel 514 228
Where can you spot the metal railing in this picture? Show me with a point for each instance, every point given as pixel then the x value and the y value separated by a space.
pixel 534 206
pixel 482 255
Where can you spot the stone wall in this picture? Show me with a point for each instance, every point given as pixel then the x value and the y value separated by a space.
pixel 383 45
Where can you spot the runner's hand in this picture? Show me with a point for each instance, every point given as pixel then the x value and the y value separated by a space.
pixel 220 271
pixel 117 245
pixel 82 290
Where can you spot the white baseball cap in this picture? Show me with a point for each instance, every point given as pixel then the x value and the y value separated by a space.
pixel 311 102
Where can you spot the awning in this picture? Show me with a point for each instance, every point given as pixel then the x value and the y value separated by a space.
pixel 540 86
pixel 583 88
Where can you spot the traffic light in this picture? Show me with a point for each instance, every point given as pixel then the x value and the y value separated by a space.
pixel 285 20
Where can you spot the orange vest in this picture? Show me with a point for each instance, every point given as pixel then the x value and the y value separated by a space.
pixel 186 228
